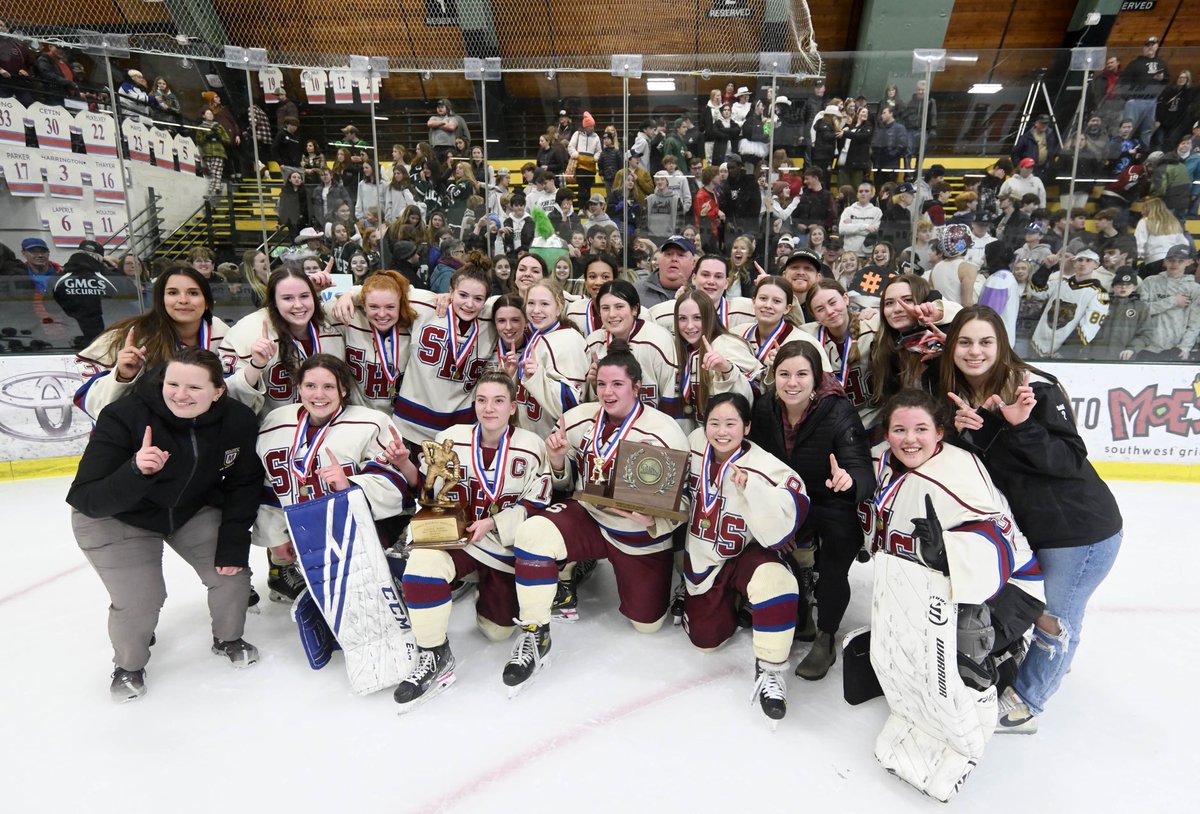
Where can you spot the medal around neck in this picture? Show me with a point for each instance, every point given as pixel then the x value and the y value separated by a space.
pixel 643 478
pixel 441 521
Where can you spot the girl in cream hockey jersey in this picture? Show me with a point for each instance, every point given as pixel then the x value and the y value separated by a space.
pixel 584 448
pixel 505 477
pixel 935 507
pixel 746 505
pixel 653 347
pixel 552 367
pixel 713 360
pixel 324 444
pixel 263 351
pixel 180 316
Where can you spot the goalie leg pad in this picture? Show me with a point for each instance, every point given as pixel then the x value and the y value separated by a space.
pixel 315 636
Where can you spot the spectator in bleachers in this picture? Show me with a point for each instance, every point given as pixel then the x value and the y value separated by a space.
pixel 58 80
pixel 1141 83
pixel 1125 148
pixel 397 195
pixel 675 266
pixel 426 187
pixel 369 194
pixel 286 146
pixel 346 172
pixel 255 270
pixel 740 106
pixel 1040 143
pixel 260 127
pixel 675 179
pixel 1172 112
pixel 214 142
pixel 643 182
pixel 1156 232
pixel 565 127
pixel 1104 99
pixel 16 67
pixel 664 210
pixel 326 197
pixel 292 207
pixel 1075 308
pixel 676 142
pixel 989 189
pixel 1125 332
pixel 444 126
pixel 910 116
pixel 739 197
pixel 981 238
pixel 707 216
pixel 1025 182
pixel 935 207
pixel 38 266
pixel 552 156
pixel 1034 251
pixel 955 276
pixel 1171 181
pixel 854 157
pixel 222 116
pixel 725 134
pixel 917 255
pixel 168 102
pixel 860 221
pixel 815 207
pixel 1173 298
pixel 597 216
pixel 889 146
pixel 285 109
pixel 313 163
pixel 80 292
pixel 608 163
pixel 626 207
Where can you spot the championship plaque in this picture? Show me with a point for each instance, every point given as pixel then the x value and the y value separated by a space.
pixel 441 522
pixel 644 478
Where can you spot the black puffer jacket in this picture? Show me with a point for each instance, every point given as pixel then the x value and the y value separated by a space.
pixel 212 463
pixel 1041 466
pixel 832 426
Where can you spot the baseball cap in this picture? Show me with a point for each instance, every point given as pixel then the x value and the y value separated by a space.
pixel 786 240
pixel 1088 254
pixel 1125 276
pixel 596 198
pixel 1151 41
pixel 1043 117
pixel 1026 162
pixel 562 112
pixel 783 100
pixel 805 256
pixel 662 174
pixel 1033 228
pixel 33 243
pixel 91 246
pixel 503 171
pixel 680 242
pixel 1179 251
pixel 906 187
pixel 733 158
pixel 403 249
pixel 742 91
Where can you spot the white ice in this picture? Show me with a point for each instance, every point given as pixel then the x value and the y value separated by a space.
pixel 619 723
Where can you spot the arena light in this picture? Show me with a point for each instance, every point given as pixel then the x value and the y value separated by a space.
pixel 986 87
pixel 661 84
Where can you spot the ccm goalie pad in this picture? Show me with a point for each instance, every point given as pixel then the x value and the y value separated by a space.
pixel 938 726
pixel 352 588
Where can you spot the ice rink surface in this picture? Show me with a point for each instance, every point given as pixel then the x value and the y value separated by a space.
pixel 620 722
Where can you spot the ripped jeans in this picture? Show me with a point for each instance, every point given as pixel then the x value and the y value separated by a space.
pixel 1071 577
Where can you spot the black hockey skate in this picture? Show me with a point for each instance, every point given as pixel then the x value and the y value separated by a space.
pixel 239 651
pixel 127 685
pixel 770 690
pixel 530 655
pixel 566 603
pixel 431 675
pixel 286 582
pixel 677 603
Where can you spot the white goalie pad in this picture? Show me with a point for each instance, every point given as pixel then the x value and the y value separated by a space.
pixel 350 582
pixel 938 727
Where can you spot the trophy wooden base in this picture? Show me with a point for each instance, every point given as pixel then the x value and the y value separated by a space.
pixel 629 506
pixel 433 527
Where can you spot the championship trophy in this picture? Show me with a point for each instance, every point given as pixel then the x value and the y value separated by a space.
pixel 441 522
pixel 644 478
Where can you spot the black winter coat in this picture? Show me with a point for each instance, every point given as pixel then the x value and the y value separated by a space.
pixel 1041 466
pixel 212 463
pixel 832 426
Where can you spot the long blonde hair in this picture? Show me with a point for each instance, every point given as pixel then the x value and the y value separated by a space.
pixel 1158 218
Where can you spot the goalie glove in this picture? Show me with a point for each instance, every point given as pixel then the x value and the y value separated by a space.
pixel 931 548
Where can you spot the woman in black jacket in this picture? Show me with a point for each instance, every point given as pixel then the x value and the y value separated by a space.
pixel 173 461
pixel 1026 437
pixel 292 208
pixel 808 422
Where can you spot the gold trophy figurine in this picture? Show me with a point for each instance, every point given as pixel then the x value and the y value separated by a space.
pixel 441 521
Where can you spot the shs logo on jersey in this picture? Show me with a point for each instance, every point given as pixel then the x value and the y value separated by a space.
pixel 724 530
pixel 432 350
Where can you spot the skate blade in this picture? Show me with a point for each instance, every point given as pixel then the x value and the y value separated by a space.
pixel 513 692
pixel 125 699
pixel 772 724
pixel 282 599
pixel 564 616
pixel 440 686
pixel 676 621
pixel 254 609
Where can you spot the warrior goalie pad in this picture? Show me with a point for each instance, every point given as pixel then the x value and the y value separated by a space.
pixel 352 587
pixel 938 726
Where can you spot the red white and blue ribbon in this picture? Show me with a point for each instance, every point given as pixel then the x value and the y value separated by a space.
pixel 751 335
pixel 534 339
pixel 492 488
pixel 202 340
pixel 387 348
pixel 313 337
pixel 460 352
pixel 685 386
pixel 824 336
pixel 883 494
pixel 589 321
pixel 723 311
pixel 301 459
pixel 709 492
pixel 603 453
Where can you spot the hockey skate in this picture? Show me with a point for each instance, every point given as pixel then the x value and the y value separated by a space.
pixel 530 655
pixel 431 675
pixel 770 690
pixel 286 582
pixel 1013 715
pixel 677 603
pixel 806 626
pixel 252 602
pixel 239 652
pixel 566 603
pixel 127 685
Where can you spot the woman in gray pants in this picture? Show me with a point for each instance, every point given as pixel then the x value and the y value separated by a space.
pixel 171 461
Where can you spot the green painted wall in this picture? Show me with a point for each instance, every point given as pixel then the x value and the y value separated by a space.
pixel 896 26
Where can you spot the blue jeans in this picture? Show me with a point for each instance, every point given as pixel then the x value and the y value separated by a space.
pixel 1141 113
pixel 1071 576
